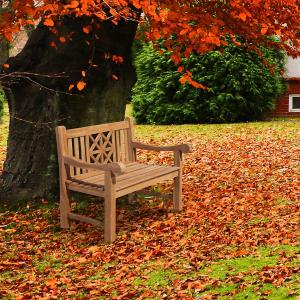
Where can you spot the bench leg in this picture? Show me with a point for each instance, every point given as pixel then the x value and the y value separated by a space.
pixel 177 192
pixel 109 209
pixel 65 209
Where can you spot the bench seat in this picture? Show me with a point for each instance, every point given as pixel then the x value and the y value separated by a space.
pixel 136 177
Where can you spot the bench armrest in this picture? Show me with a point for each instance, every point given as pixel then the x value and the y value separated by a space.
pixel 184 148
pixel 116 168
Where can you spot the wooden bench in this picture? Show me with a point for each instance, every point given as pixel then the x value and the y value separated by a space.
pixel 101 161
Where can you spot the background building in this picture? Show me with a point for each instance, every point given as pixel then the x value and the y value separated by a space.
pixel 289 103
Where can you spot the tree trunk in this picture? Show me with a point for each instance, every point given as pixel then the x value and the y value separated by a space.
pixel 30 169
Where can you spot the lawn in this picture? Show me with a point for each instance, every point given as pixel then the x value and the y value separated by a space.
pixel 237 238
pixel 3 135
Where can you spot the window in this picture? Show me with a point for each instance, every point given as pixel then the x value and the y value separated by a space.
pixel 294 103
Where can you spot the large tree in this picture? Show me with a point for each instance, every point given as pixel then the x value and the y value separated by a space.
pixel 76 67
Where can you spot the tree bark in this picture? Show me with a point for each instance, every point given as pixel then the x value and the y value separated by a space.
pixel 30 169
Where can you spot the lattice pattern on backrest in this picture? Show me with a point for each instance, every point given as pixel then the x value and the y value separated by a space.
pixel 102 144
pixel 101 147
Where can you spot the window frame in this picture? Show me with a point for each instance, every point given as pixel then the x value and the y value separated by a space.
pixel 291 109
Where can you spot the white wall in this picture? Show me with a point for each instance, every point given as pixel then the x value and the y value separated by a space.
pixel 293 67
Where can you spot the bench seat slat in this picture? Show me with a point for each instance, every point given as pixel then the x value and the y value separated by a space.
pixel 153 173
pixel 84 188
pixel 144 184
pixel 92 173
pixel 136 170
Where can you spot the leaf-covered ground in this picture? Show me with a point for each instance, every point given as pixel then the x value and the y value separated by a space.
pixel 237 238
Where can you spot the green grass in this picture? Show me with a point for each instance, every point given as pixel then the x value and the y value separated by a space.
pixel 218 131
pixel 221 269
pixel 247 268
pixel 157 133
pixel 159 278
pixel 4 126
pixel 128 112
pixel 46 262
pixel 282 126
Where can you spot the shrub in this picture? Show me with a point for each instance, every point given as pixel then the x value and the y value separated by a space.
pixel 241 87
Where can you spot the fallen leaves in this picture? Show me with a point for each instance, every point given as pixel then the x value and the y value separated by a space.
pixel 241 195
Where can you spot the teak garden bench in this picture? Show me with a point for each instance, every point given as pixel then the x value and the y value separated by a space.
pixel 101 161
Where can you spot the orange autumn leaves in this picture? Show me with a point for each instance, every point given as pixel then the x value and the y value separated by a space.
pixel 194 26
pixel 241 189
pixel 200 25
pixel 187 78
pixel 81 84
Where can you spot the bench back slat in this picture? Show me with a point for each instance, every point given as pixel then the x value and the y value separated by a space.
pixel 70 152
pixel 104 143
pixel 76 153
pixel 77 132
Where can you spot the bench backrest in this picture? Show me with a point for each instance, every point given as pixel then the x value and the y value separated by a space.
pixel 102 144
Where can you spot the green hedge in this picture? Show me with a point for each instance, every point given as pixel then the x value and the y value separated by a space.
pixel 241 87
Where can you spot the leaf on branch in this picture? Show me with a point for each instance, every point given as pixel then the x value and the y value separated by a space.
pixel 53 44
pixel 114 77
pixel 8 36
pixel 243 16
pixel 184 31
pixel 87 29
pixel 136 3
pixel 81 85
pixel 73 4
pixel 156 34
pixel 49 22
pixel 30 22
pixel 264 29
pixel 117 59
pixel 180 69
pixel 187 78
pixel 197 85
pixel 6 66
pixel 71 86
pixel 176 59
pixel 183 80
